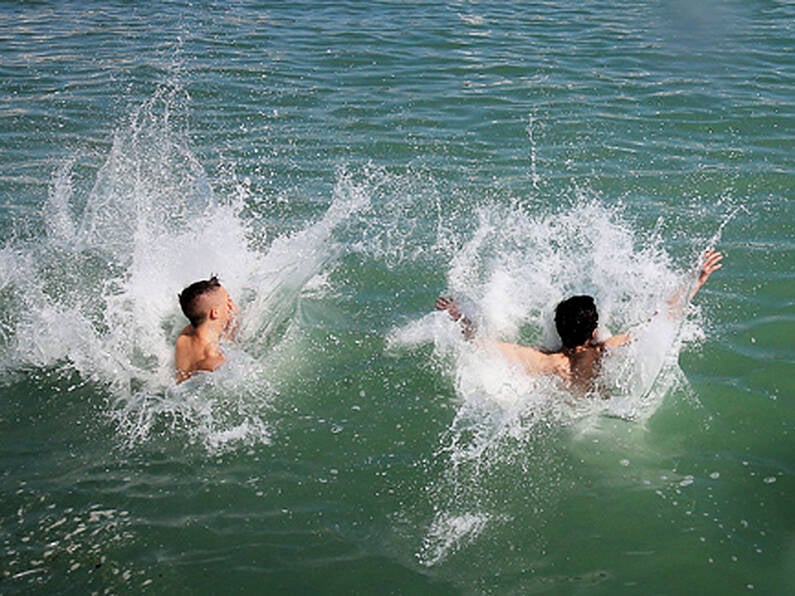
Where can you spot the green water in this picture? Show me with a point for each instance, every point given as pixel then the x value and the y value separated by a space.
pixel 340 165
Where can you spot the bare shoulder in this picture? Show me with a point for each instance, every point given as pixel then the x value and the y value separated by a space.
pixel 185 343
pixel 534 361
pixel 191 354
pixel 187 332
pixel 184 351
pixel 211 361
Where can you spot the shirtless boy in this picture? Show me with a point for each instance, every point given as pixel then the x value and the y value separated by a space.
pixel 211 312
pixel 576 320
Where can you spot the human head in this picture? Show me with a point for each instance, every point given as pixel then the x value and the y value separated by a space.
pixel 199 300
pixel 576 320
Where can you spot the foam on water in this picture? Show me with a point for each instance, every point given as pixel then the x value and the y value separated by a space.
pixel 96 293
pixel 509 276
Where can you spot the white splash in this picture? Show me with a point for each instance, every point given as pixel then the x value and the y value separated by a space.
pixel 509 276
pixel 96 294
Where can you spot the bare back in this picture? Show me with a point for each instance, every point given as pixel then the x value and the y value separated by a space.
pixel 577 367
pixel 584 367
pixel 193 353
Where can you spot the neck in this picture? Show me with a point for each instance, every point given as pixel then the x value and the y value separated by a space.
pixel 207 332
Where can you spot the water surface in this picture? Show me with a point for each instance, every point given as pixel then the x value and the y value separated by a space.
pixel 340 165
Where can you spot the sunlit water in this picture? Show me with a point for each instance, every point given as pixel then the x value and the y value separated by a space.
pixel 339 167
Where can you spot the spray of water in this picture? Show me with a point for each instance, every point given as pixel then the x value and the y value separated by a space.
pixel 96 294
pixel 509 276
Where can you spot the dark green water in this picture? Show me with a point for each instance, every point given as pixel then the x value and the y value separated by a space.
pixel 340 165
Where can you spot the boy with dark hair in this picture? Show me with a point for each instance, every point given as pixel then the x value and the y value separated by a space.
pixel 576 320
pixel 189 299
pixel 211 312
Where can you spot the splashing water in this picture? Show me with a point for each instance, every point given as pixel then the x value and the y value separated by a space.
pixel 509 277
pixel 97 293
pixel 513 272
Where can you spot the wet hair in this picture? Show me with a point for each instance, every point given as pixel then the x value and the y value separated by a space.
pixel 575 319
pixel 189 299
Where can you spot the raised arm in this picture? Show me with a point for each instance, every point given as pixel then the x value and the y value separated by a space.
pixel 710 263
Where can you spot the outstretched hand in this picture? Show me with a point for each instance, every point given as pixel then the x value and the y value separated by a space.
pixel 450 305
pixel 711 263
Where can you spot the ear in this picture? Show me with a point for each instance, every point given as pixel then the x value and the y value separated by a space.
pixel 213 313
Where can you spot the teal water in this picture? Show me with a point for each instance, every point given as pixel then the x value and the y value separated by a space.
pixel 340 165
